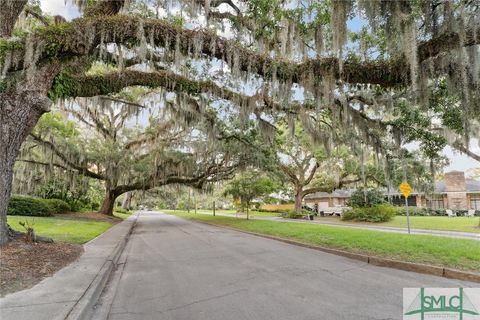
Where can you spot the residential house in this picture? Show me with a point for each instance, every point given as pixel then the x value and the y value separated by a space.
pixel 454 192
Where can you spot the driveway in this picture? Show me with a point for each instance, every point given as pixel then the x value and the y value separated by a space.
pixel 178 269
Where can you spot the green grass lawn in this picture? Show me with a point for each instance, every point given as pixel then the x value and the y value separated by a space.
pixel 463 224
pixel 61 229
pixel 252 213
pixel 441 251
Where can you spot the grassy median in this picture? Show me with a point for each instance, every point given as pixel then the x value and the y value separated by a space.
pixel 440 251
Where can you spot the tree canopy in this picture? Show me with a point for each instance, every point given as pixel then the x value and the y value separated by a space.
pixel 389 72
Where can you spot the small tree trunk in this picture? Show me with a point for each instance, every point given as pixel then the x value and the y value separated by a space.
pixel 6 173
pixel 298 200
pixel 127 201
pixel 108 203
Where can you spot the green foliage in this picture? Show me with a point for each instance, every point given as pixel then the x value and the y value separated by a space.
pixel 28 206
pixel 64 86
pixel 250 185
pixel 415 126
pixel 121 210
pixel 77 200
pixel 414 211
pixel 291 214
pixel 56 123
pixel 362 198
pixel 57 206
pixel 376 213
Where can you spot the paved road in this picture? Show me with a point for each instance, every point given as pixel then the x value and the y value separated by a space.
pixel 178 269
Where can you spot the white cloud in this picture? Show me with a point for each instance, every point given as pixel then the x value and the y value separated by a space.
pixel 59 7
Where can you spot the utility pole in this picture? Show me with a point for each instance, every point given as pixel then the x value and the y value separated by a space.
pixel 195 201
pixel 406 192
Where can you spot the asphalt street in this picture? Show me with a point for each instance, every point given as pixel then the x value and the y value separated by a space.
pixel 177 269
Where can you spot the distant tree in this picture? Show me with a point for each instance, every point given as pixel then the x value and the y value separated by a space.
pixel 366 197
pixel 250 185
pixel 311 167
pixel 128 158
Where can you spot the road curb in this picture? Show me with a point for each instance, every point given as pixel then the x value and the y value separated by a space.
pixel 84 306
pixel 376 261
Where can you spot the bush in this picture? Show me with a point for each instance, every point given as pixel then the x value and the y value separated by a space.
pixel 57 206
pixel 28 206
pixel 291 214
pixel 362 198
pixel 272 211
pixel 377 213
pixel 121 210
pixel 414 211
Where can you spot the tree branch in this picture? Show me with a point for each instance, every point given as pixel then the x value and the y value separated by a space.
pixel 460 147
pixel 67 41
pixel 82 170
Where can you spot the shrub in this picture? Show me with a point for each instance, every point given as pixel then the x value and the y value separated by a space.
pixel 291 214
pixel 362 198
pixel 267 210
pixel 57 206
pixel 414 211
pixel 377 213
pixel 28 206
pixel 121 210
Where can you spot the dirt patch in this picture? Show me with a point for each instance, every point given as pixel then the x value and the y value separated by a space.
pixel 22 264
pixel 89 216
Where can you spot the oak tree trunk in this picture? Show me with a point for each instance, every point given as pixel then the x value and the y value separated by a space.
pixel 108 203
pixel 19 112
pixel 298 200
pixel 9 12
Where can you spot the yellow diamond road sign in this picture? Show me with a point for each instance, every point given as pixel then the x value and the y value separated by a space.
pixel 405 189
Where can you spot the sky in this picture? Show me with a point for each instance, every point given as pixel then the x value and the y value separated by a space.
pixel 458 161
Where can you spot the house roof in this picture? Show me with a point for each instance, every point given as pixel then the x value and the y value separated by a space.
pixel 471 186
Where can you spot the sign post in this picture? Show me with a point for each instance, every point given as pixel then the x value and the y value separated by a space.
pixel 406 190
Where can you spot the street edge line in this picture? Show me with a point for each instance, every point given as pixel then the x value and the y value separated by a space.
pixel 84 306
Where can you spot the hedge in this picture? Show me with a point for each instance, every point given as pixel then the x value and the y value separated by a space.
pixel 57 206
pixel 414 211
pixel 28 206
pixel 291 214
pixel 376 213
pixel 121 210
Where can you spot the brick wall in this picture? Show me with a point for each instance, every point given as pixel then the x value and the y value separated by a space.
pixel 456 191
pixel 455 181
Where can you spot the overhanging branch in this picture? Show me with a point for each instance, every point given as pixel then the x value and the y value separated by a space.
pixel 67 41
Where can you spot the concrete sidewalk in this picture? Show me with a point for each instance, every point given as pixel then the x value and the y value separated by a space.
pixel 318 220
pixel 70 291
